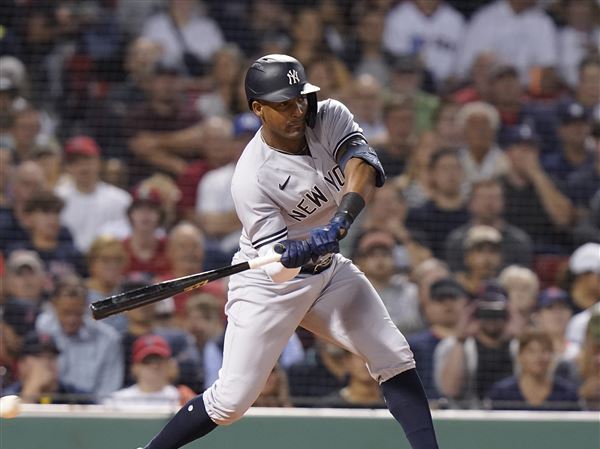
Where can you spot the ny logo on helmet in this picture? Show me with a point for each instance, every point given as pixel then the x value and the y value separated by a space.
pixel 293 76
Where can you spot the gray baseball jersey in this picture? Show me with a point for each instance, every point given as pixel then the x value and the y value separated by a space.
pixel 278 195
pixel 282 196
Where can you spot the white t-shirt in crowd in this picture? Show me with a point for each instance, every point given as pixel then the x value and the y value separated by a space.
pixel 84 214
pixel 524 40
pixel 133 397
pixel 573 46
pixel 437 37
pixel 202 36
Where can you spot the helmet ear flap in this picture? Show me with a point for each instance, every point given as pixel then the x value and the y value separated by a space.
pixel 311 115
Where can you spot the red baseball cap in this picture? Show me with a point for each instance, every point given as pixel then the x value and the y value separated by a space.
pixel 147 194
pixel 82 146
pixel 150 345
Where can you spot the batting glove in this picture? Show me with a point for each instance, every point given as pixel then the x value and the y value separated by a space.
pixel 294 253
pixel 326 239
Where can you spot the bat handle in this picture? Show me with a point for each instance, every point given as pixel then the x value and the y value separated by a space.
pixel 264 260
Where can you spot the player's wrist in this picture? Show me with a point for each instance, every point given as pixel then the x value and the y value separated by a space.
pixel 351 205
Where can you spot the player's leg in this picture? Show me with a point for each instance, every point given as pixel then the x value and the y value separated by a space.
pixel 351 313
pixel 258 329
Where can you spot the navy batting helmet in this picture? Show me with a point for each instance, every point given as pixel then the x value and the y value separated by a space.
pixel 280 78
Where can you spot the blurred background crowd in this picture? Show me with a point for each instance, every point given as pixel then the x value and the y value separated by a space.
pixel 120 125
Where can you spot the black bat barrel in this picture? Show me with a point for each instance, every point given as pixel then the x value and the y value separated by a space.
pixel 147 295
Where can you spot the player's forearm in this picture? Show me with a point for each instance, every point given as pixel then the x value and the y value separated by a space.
pixel 360 178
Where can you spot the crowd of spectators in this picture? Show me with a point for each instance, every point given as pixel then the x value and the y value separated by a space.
pixel 120 125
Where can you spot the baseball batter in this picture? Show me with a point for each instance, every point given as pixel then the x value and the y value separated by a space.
pixel 298 186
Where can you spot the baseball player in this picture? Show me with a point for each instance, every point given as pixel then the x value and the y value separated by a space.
pixel 297 188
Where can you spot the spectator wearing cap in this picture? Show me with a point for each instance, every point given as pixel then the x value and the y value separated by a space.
pixel 534 201
pixel 522 286
pixel 514 30
pixel 146 246
pixel 215 211
pixel 535 387
pixel 446 209
pixel 467 364
pixel 486 207
pixel 89 201
pixel 57 250
pixel 106 261
pixel 442 311
pixel 432 29
pixel 39 380
pixel 155 371
pixel 482 258
pixel 577 38
pixel 408 78
pixel 481 157
pixel 552 315
pixel 584 269
pixel 90 351
pixel 572 152
pixel 25 277
pixel 374 255
pixel 25 284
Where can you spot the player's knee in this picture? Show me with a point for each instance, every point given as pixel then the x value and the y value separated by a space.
pixel 225 411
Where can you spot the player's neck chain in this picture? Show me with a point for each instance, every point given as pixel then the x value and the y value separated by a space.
pixel 303 152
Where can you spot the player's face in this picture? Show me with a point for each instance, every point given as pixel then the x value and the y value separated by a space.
pixel 285 120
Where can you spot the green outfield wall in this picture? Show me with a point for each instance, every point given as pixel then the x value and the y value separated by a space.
pixel 312 429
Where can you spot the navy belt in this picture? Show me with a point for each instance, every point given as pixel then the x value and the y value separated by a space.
pixel 317 267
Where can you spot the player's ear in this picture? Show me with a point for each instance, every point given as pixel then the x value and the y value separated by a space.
pixel 257 108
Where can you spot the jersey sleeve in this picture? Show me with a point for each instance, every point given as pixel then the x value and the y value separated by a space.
pixel 338 126
pixel 261 218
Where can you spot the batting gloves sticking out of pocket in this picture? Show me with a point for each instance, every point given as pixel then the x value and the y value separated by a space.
pixel 294 253
pixel 326 239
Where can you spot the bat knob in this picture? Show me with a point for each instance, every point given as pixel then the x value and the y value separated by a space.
pixel 279 248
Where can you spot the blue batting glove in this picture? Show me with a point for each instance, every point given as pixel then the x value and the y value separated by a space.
pixel 326 239
pixel 294 253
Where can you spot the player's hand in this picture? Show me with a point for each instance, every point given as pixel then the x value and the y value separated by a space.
pixel 294 253
pixel 326 239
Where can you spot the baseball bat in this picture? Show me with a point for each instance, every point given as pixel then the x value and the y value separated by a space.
pixel 152 293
